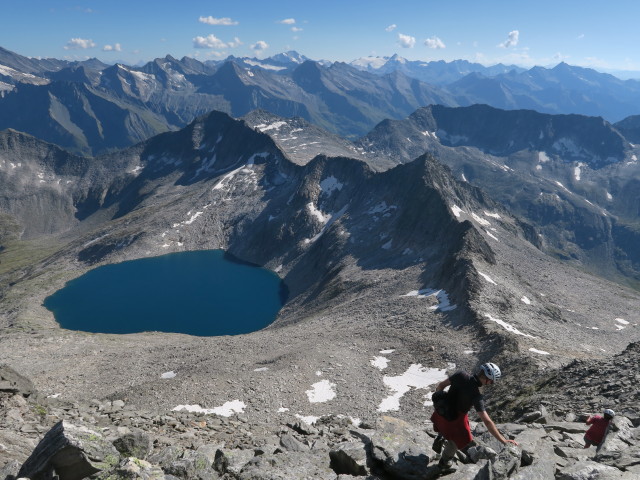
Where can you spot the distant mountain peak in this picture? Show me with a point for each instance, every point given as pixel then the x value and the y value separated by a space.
pixel 395 58
pixel 290 56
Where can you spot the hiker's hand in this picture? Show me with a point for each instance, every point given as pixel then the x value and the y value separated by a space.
pixel 512 441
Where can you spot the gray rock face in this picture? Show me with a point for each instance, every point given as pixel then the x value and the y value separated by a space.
pixel 11 381
pixel 71 452
pixel 350 458
pixel 136 444
pixel 288 466
pixel 400 448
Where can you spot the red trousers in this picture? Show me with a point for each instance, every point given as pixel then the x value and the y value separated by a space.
pixel 458 431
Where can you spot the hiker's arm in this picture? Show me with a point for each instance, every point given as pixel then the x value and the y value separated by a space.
pixel 443 384
pixel 484 416
pixel 589 420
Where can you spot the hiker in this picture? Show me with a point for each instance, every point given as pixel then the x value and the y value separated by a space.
pixel 599 424
pixel 450 418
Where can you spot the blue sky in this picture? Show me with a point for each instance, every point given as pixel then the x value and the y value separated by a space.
pixel 602 35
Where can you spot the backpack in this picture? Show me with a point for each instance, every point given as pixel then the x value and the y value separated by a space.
pixel 443 405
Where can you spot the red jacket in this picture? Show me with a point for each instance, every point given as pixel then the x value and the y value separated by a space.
pixel 596 432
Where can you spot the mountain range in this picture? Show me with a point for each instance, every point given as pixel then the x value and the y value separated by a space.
pixel 89 107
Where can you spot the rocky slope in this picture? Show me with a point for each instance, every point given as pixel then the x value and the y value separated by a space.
pixel 110 439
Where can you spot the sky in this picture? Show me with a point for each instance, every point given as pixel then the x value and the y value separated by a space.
pixel 603 35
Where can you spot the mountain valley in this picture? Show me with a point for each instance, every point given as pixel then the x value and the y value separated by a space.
pixel 416 239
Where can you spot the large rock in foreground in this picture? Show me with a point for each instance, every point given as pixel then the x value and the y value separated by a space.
pixel 71 452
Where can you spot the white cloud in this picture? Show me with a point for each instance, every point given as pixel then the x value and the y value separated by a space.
pixel 210 41
pixel 511 41
pixel 296 29
pixel 580 37
pixel 391 27
pixel 406 41
pixel 259 46
pixel 434 42
pixel 79 44
pixel 288 21
pixel 235 43
pixel 112 48
pixel 217 21
pixel 560 57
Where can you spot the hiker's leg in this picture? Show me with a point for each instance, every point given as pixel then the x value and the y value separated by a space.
pixel 448 452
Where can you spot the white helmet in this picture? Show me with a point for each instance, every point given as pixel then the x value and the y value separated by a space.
pixel 491 371
pixel 609 412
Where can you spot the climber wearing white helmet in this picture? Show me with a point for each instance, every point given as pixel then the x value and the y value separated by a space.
pixel 450 418
pixel 598 429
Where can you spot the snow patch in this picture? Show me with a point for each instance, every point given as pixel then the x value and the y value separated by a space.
pixel 226 410
pixel 541 352
pixel 309 419
pixel 416 376
pixel 542 157
pixel 444 304
pixel 170 374
pixel 380 362
pixel 480 220
pixel 321 217
pixel 387 352
pixel 330 184
pixel 525 300
pixel 333 218
pixel 193 217
pixel 456 210
pixel 491 235
pixel 261 369
pixel 507 326
pixel 487 278
pixel 273 126
pixel 322 391
pixel 382 207
pixel 492 215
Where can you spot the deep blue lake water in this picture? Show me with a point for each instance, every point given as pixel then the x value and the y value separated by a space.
pixel 204 293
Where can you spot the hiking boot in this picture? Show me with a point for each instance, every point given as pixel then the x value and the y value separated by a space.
pixel 437 444
pixel 445 468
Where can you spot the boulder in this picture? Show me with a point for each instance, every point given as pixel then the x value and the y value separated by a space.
pixel 10 470
pixel 350 458
pixel 538 458
pixel 506 463
pixel 71 452
pixel 12 381
pixel 589 471
pixel 134 468
pixel 291 443
pixel 166 456
pixel 400 448
pixel 231 461
pixel 14 446
pixel 136 444
pixel 289 466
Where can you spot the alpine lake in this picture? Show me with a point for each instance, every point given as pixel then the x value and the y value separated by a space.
pixel 202 293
